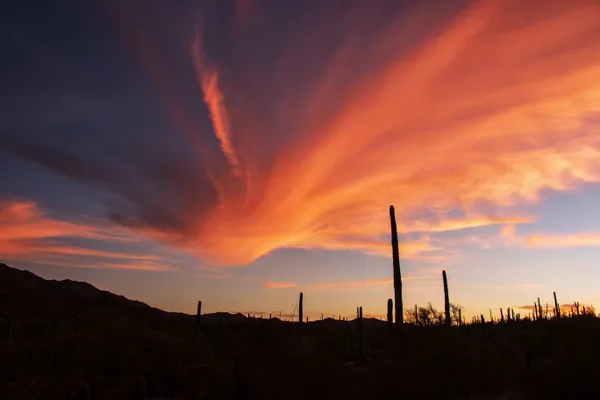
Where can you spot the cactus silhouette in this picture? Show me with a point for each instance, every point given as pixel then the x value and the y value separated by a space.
pixel 556 306
pixel 397 274
pixel 540 310
pixel 390 314
pixel 198 314
pixel 501 316
pixel 301 308
pixel 446 300
pixel 360 334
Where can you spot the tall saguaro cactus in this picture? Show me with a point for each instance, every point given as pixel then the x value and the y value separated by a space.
pixel 397 275
pixel 540 310
pixel 446 299
pixel 556 306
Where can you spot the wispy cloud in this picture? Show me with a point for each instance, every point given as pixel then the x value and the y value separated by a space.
pixel 208 78
pixel 27 233
pixel 508 236
pixel 466 223
pixel 544 241
pixel 280 285
pixel 102 264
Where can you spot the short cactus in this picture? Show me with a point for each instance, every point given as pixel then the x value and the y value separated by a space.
pixel 416 315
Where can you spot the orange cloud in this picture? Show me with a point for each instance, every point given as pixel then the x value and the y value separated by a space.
pixel 476 222
pixel 544 241
pixel 96 264
pixel 208 78
pixel 26 233
pixel 490 110
pixel 280 285
pixel 24 220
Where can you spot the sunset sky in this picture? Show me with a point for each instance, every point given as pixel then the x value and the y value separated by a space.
pixel 239 152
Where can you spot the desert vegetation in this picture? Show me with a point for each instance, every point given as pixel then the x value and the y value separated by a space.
pixel 109 348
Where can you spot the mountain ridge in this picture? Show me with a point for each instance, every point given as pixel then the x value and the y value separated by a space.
pixel 24 289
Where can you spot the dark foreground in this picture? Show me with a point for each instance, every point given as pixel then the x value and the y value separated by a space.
pixel 270 359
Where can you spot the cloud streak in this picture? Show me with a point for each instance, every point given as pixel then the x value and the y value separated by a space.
pixel 208 78
pixel 545 241
pixel 280 285
pixel 27 233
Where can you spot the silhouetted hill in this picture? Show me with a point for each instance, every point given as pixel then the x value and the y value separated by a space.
pixel 24 290
pixel 25 287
